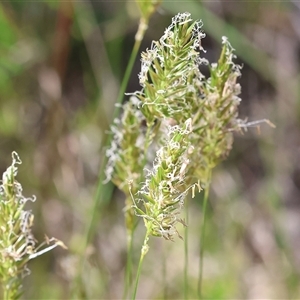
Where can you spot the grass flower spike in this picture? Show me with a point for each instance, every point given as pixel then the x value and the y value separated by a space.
pixel 165 188
pixel 176 102
pixel 170 71
pixel 125 156
pixel 127 147
pixel 17 243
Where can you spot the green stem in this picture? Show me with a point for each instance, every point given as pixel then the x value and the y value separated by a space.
pixel 128 270
pixel 202 233
pixel 11 288
pixel 164 272
pixel 128 276
pixel 186 257
pixel 104 192
pixel 144 251
pixel 6 294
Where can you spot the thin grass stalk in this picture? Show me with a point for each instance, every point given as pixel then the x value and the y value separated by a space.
pixel 130 232
pixel 164 272
pixel 144 251
pixel 128 267
pixel 99 200
pixel 12 291
pixel 202 234
pixel 186 254
pixel 104 191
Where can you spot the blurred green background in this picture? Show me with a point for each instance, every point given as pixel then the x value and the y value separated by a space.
pixel 61 64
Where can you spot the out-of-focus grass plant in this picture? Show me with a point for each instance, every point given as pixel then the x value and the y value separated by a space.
pixel 186 118
pixel 17 243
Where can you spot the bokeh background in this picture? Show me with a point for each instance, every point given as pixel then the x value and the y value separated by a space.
pixel 61 65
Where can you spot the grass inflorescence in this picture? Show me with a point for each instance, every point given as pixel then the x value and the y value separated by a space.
pixel 184 117
pixel 18 244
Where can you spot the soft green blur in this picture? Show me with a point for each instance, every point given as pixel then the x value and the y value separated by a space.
pixel 61 65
